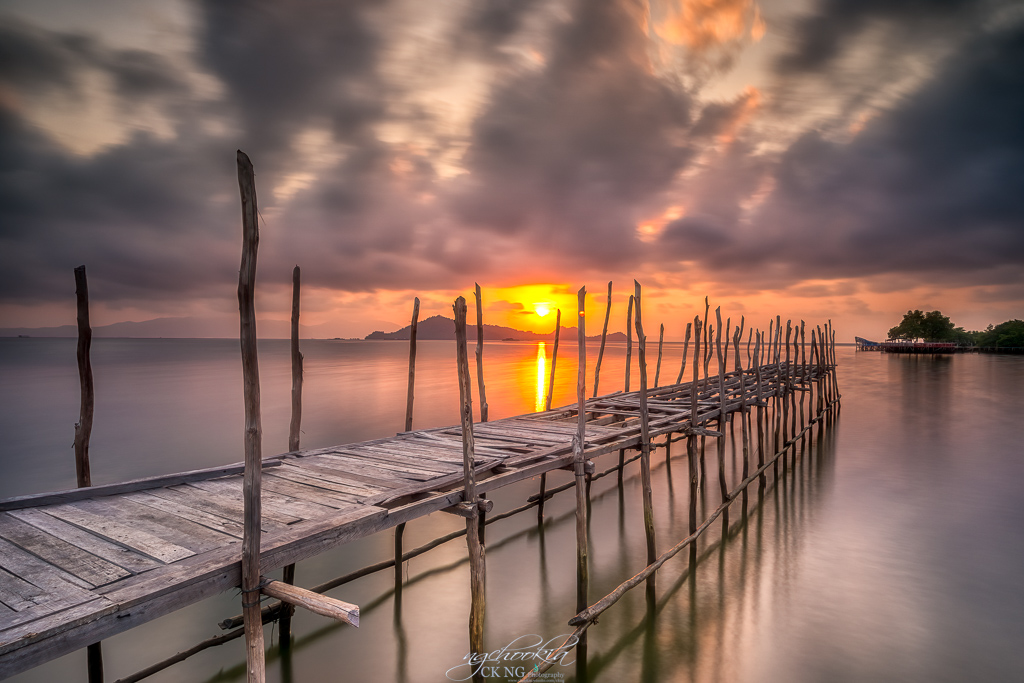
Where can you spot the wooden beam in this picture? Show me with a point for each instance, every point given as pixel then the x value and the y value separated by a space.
pixel 314 602
pixel 645 438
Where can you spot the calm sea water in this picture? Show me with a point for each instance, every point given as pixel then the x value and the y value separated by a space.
pixel 890 552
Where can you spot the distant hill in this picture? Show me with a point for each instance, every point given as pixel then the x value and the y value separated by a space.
pixel 439 327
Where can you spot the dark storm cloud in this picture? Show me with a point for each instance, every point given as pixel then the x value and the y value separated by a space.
pixel 834 26
pixel 934 187
pixel 564 156
pixel 286 64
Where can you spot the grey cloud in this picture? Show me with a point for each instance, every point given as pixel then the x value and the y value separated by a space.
pixel 933 187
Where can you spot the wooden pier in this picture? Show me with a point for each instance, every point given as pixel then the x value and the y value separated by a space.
pixel 82 565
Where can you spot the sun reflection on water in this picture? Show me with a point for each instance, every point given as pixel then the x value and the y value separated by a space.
pixel 542 373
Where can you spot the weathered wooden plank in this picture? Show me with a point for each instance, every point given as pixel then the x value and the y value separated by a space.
pixel 159 523
pixel 180 509
pixel 298 476
pixel 377 455
pixel 311 493
pixel 366 468
pixel 60 553
pixel 19 594
pixel 71 495
pixel 57 583
pixel 230 489
pixel 327 467
pixel 219 505
pixel 383 467
pixel 141 541
pixel 114 553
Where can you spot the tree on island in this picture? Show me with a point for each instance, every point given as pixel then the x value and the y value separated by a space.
pixel 930 327
pixel 1003 335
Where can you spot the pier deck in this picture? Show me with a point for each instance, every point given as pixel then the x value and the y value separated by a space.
pixel 79 566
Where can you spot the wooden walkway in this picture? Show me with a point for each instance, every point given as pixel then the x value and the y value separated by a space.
pixel 82 565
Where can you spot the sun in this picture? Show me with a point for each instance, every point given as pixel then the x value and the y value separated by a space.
pixel 542 309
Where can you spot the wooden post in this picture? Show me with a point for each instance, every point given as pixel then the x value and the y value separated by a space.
pixel 743 405
pixel 412 363
pixel 604 337
pixel 480 354
pixel 293 437
pixel 579 469
pixel 477 568
pixel 83 428
pixel 686 347
pixel 293 429
pixel 707 308
pixel 661 342
pixel 645 437
pixel 253 428
pixel 547 404
pixel 554 359
pixel 722 484
pixel 691 440
pixel 399 534
pixel 760 407
pixel 629 340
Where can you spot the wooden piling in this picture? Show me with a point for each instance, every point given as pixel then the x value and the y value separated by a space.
pixel 661 342
pixel 83 428
pixel 296 421
pixel 254 655
pixel 477 569
pixel 412 363
pixel 294 427
pixel 686 346
pixel 691 440
pixel 629 340
pixel 645 437
pixel 579 469
pixel 604 338
pixel 554 360
pixel 480 354
pixel 722 483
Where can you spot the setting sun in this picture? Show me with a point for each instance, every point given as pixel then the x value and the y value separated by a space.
pixel 542 309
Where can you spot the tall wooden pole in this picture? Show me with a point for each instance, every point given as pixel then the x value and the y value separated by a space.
pixel 686 347
pixel 547 406
pixel 629 340
pixel 604 338
pixel 661 343
pixel 253 428
pixel 554 360
pixel 691 440
pixel 477 576
pixel 83 428
pixel 645 438
pixel 400 529
pixel 293 429
pixel 293 439
pixel 480 354
pixel 722 483
pixel 579 469
pixel 412 364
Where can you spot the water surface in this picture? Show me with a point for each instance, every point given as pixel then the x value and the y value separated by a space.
pixel 890 551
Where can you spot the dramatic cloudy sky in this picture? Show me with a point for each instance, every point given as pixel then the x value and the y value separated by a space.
pixel 817 158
